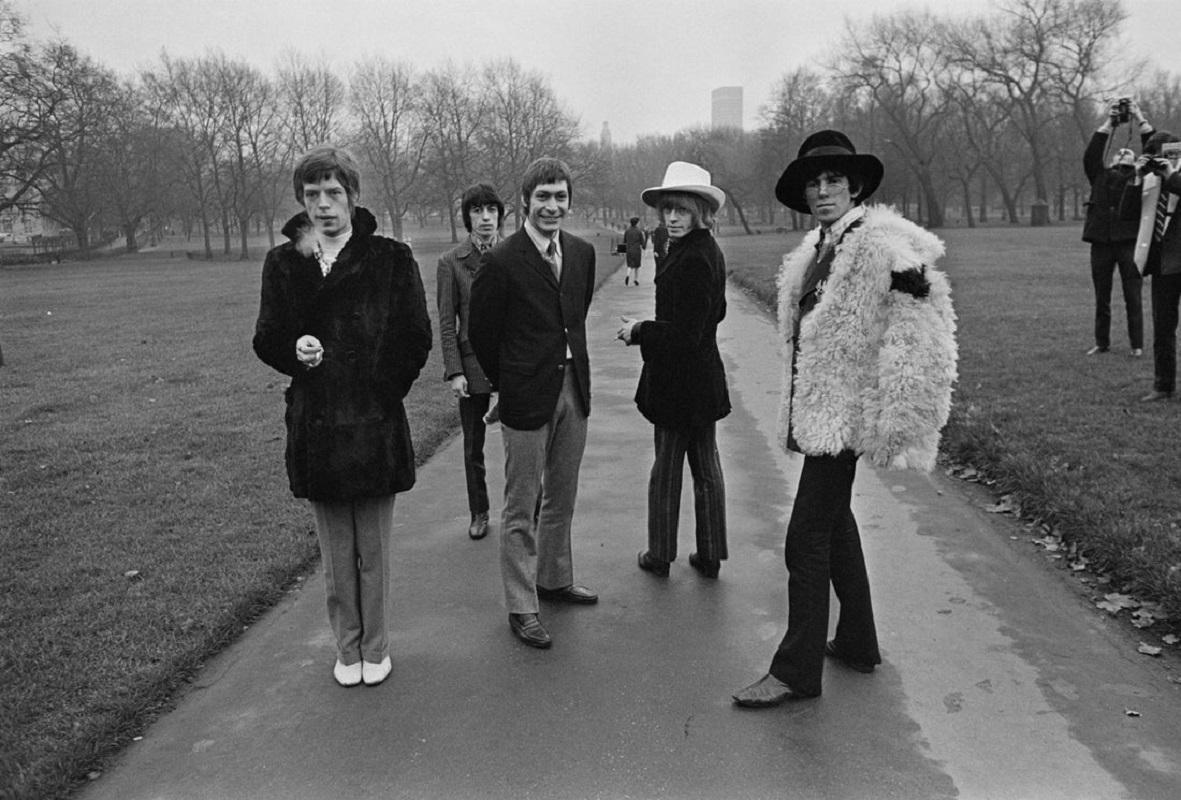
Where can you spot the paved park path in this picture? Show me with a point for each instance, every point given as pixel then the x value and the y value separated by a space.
pixel 999 681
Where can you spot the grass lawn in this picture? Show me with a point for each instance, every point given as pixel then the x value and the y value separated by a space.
pixel 145 517
pixel 1060 432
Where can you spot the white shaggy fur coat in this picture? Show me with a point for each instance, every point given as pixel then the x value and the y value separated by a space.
pixel 875 366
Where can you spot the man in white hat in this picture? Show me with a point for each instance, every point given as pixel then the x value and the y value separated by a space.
pixel 871 360
pixel 682 389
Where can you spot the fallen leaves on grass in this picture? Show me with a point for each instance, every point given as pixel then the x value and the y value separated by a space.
pixel 1148 649
pixel 1114 602
pixel 1006 505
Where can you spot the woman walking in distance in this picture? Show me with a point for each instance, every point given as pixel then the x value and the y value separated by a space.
pixel 682 389
pixel 343 313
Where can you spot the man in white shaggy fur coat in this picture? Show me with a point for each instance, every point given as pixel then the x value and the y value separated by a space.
pixel 870 366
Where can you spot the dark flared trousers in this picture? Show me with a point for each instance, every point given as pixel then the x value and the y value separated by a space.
pixel 823 546
pixel 1166 294
pixel 673 445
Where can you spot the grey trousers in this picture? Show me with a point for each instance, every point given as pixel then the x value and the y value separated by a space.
pixel 355 547
pixel 543 462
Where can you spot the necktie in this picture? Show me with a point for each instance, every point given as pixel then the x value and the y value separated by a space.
pixel 1162 216
pixel 551 258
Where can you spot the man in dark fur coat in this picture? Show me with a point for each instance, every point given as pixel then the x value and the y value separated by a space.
pixel 343 313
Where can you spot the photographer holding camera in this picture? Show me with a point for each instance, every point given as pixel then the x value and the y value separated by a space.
pixel 1111 228
pixel 1158 252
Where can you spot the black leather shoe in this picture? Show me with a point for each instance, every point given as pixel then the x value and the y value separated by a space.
pixel 528 628
pixel 767 691
pixel 649 563
pixel 479 527
pixel 707 568
pixel 579 595
pixel 1155 396
pixel 830 650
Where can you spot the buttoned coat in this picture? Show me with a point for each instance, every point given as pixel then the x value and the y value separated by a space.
pixel 457 269
pixel 522 320
pixel 633 243
pixel 347 433
pixel 683 381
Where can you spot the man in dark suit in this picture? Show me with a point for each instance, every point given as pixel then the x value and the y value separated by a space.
pixel 528 330
pixel 1158 253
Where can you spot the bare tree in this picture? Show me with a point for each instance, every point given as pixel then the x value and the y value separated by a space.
pixel 385 98
pixel 72 189
pixel 524 120
pixel 454 111
pixel 1042 55
pixel 30 95
pixel 896 61
pixel 312 102
pixel 251 142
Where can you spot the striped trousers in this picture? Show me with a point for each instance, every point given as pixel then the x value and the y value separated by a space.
pixel 709 492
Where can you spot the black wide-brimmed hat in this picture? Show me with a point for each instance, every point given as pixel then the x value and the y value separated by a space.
pixel 822 151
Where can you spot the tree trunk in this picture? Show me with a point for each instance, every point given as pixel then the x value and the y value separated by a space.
pixel 129 235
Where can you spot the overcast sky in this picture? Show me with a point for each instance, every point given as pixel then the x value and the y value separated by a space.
pixel 644 67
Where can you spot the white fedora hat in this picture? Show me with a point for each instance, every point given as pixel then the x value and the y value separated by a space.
pixel 681 176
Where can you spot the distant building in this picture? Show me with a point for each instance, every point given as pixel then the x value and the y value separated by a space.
pixel 726 107
pixel 605 137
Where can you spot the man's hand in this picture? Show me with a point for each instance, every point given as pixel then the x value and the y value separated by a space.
pixel 309 351
pixel 459 386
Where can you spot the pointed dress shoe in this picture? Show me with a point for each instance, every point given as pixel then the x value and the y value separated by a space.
pixel 479 527
pixel 528 628
pixel 373 674
pixel 650 563
pixel 832 651
pixel 578 595
pixel 347 674
pixel 1155 396
pixel 707 568
pixel 767 691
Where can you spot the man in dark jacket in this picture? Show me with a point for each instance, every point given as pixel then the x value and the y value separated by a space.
pixel 528 330
pixel 343 313
pixel 1158 252
pixel 1112 234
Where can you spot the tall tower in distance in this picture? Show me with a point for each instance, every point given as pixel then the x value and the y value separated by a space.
pixel 726 107
pixel 605 137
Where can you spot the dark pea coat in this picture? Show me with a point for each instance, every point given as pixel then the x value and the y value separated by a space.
pixel 347 433
pixel 522 321
pixel 683 382
pixel 1113 215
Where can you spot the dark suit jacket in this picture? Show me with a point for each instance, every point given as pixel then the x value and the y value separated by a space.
pixel 521 321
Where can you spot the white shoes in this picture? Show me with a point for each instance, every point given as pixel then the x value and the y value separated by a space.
pixel 347 674
pixel 374 674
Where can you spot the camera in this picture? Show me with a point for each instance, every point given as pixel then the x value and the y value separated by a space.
pixel 1124 110
pixel 1152 165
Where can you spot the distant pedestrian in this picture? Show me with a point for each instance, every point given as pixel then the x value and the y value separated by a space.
pixel 528 330
pixel 659 243
pixel 1110 228
pixel 633 243
pixel 483 213
pixel 871 360
pixel 682 389
pixel 343 313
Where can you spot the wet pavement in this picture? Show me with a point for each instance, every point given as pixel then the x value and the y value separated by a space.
pixel 999 681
